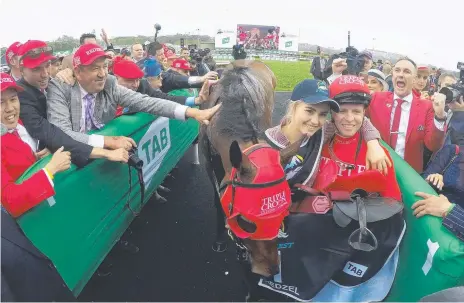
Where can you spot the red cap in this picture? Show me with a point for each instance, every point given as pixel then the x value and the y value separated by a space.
pixel 265 206
pixel 87 54
pixel 127 69
pixel 182 64
pixel 347 84
pixel 423 68
pixel 6 82
pixel 12 50
pixel 44 54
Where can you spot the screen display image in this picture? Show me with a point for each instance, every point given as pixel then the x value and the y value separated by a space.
pixel 258 36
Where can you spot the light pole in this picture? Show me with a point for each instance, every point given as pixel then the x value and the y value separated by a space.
pixel 198 32
pixel 373 43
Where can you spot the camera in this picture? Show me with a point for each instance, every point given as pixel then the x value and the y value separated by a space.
pixel 134 160
pixel 453 92
pixel 238 52
pixel 354 60
pixel 199 54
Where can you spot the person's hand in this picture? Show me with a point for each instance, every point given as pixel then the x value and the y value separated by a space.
pixel 119 142
pixel 436 179
pixel 61 161
pixel 439 105
pixel 376 158
pixel 457 106
pixel 104 37
pixel 42 154
pixel 202 116
pixel 425 95
pixel 204 92
pixel 118 155
pixel 431 205
pixel 210 76
pixel 339 65
pixel 66 76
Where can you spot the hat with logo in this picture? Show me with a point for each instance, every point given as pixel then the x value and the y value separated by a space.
pixel 151 67
pixel 6 82
pixel 181 64
pixel 423 69
pixel 349 89
pixel 35 52
pixel 86 54
pixel 11 51
pixel 313 92
pixel 127 69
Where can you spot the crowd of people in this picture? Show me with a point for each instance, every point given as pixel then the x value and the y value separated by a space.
pixel 50 103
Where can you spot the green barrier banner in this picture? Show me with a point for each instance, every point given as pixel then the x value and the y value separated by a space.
pixel 431 257
pixel 186 92
pixel 78 227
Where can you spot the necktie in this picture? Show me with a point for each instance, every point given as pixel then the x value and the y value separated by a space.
pixel 396 124
pixel 90 121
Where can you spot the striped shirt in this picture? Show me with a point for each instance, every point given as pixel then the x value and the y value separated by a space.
pixel 454 221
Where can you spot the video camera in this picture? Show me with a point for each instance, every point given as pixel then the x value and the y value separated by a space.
pixel 354 60
pixel 199 54
pixel 454 92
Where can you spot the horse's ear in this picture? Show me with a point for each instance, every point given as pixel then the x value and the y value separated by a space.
pixel 287 153
pixel 235 154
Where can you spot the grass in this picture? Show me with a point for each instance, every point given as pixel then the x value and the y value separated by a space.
pixel 289 74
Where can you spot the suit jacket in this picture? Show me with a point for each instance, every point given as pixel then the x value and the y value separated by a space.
pixel 146 89
pixel 316 69
pixel 173 80
pixel 65 105
pixel 421 127
pixel 17 157
pixel 33 114
pixel 454 221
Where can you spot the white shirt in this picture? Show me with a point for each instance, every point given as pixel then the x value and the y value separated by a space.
pixel 404 121
pixel 94 140
pixel 26 138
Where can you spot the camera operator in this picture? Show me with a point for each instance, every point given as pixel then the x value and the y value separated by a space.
pixel 170 80
pixel 454 92
pixel 350 62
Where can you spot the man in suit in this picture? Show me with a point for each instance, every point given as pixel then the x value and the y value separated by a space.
pixel 35 62
pixel 92 100
pixel 318 65
pixel 27 274
pixel 405 122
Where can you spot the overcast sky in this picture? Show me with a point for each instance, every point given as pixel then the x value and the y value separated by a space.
pixel 427 31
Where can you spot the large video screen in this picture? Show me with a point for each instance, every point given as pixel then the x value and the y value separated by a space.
pixel 258 36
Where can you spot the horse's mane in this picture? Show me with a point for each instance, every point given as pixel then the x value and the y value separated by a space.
pixel 244 92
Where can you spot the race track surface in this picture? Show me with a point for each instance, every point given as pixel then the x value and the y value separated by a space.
pixel 175 261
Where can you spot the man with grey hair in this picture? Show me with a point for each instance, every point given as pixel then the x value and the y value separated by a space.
pixel 137 52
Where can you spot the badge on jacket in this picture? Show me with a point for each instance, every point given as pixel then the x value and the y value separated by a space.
pixel 420 128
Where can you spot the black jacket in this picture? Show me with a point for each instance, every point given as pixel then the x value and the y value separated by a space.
pixel 27 274
pixel 146 89
pixel 33 114
pixel 173 80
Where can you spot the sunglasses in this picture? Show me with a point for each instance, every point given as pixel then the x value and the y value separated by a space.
pixel 37 52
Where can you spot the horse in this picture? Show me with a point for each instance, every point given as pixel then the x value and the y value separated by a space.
pixel 246 93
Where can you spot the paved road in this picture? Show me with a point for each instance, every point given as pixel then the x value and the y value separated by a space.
pixel 175 261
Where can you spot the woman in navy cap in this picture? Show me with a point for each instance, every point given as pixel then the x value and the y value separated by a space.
pixel 306 121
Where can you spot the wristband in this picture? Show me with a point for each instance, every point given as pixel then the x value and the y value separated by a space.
pixel 48 173
pixel 446 212
pixel 190 102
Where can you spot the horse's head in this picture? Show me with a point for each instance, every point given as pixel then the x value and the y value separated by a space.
pixel 255 201
pixel 256 197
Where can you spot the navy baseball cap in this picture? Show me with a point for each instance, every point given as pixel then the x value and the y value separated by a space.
pixel 314 92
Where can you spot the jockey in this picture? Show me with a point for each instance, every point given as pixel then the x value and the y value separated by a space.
pixel 306 122
pixel 346 151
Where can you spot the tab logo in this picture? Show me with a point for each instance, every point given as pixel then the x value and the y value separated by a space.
pixel 355 269
pixel 225 40
pixel 288 44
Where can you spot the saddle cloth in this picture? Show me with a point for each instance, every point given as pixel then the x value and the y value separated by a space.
pixel 315 251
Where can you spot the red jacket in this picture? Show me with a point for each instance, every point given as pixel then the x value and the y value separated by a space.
pixel 17 157
pixel 421 126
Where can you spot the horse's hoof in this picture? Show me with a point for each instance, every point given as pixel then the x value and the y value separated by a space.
pixel 164 189
pixel 219 246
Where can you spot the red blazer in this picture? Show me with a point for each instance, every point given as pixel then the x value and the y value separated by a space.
pixel 421 127
pixel 17 157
